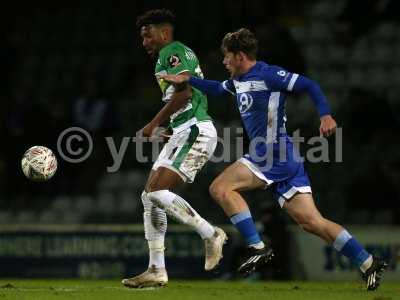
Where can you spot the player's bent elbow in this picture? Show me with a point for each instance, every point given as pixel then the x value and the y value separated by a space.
pixel 156 197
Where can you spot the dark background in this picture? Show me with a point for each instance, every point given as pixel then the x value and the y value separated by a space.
pixel 82 64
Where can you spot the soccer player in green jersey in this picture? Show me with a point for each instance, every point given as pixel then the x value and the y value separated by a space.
pixel 191 145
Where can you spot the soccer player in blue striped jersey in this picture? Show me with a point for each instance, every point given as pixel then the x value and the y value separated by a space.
pixel 260 91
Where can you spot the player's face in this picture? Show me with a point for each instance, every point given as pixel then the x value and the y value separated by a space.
pixel 232 62
pixel 152 39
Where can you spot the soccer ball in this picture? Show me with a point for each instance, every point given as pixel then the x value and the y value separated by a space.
pixel 39 163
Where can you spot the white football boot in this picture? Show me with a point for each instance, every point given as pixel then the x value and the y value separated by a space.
pixel 213 246
pixel 152 277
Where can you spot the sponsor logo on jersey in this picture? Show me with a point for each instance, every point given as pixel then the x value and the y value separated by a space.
pixel 174 61
pixel 245 102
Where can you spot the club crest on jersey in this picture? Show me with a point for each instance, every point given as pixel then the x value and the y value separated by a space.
pixel 245 102
pixel 281 73
pixel 174 61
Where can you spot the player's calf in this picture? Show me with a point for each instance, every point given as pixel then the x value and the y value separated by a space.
pixel 155 227
pixel 257 253
pixel 302 209
pixel 317 226
pixel 179 209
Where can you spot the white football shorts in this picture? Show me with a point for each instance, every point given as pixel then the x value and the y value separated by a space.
pixel 187 151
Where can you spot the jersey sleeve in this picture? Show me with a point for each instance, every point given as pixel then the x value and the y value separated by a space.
pixel 279 79
pixel 210 87
pixel 175 62
pixel 228 86
pixel 304 84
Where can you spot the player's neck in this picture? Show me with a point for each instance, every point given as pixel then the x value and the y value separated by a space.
pixel 247 65
pixel 166 43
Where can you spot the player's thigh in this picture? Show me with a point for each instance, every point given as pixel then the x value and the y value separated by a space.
pixel 163 179
pixel 149 179
pixel 237 177
pixel 161 176
pixel 302 209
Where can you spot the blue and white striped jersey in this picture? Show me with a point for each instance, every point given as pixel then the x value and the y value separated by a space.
pixel 260 96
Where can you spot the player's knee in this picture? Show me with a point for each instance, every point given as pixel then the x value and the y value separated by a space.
pixel 146 201
pixel 155 197
pixel 218 192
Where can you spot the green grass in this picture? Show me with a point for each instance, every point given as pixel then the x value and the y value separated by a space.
pixel 186 290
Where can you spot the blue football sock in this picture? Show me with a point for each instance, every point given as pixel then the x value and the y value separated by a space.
pixel 245 224
pixel 346 245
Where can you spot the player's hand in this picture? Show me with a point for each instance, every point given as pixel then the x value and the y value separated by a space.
pixel 328 126
pixel 149 129
pixel 175 79
pixel 154 132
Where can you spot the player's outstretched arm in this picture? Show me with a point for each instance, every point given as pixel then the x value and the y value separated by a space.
pixel 209 87
pixel 304 84
pixel 179 99
pixel 281 80
pixel 175 79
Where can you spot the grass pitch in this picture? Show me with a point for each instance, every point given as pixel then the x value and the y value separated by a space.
pixel 187 290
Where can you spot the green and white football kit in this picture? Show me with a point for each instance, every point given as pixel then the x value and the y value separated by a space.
pixel 194 136
pixel 191 145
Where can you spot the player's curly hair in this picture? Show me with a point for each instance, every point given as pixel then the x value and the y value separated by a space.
pixel 155 16
pixel 241 40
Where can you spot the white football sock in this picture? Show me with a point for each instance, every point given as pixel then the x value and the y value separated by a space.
pixel 155 227
pixel 156 254
pixel 366 264
pixel 179 209
pixel 259 245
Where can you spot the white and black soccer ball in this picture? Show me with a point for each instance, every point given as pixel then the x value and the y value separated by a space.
pixel 39 163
